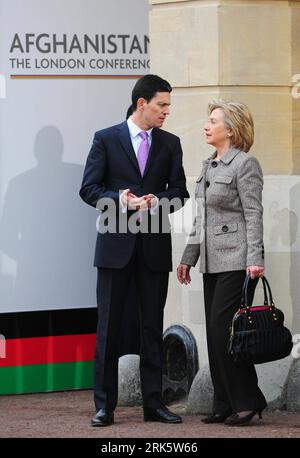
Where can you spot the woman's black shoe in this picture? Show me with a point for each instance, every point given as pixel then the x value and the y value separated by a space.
pixel 215 418
pixel 241 420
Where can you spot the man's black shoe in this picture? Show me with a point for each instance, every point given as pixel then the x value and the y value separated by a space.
pixel 103 417
pixel 215 418
pixel 162 414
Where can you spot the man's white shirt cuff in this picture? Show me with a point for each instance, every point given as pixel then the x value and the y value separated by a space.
pixel 122 205
pixel 153 210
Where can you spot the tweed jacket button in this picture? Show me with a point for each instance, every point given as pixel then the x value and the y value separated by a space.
pixel 225 228
pixel 207 184
pixel 214 164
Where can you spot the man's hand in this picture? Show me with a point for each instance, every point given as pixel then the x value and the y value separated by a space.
pixel 255 271
pixel 183 274
pixel 126 196
pixel 151 200
pixel 138 203
pixel 133 202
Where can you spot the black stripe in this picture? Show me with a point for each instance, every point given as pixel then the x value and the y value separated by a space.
pixel 48 323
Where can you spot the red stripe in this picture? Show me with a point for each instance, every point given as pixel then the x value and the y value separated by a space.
pixel 48 350
pixel 257 308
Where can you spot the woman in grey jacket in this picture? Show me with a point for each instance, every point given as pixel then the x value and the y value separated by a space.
pixel 227 235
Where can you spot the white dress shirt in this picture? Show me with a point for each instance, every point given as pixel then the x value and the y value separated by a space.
pixel 135 137
pixel 136 140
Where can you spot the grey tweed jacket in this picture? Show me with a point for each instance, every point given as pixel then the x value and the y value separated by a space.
pixel 227 232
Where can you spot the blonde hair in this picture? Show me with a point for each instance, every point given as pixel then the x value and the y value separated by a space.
pixel 237 117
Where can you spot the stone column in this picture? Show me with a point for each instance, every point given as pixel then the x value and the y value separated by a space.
pixel 248 51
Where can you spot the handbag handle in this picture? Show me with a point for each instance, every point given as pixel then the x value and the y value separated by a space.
pixel 267 291
pixel 245 303
pixel 266 284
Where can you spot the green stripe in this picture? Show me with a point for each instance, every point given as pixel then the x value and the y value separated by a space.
pixel 46 377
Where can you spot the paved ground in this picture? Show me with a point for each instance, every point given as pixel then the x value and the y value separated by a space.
pixel 67 415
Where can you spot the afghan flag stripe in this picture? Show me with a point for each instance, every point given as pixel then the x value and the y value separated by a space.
pixel 40 378
pixel 49 350
pixel 46 323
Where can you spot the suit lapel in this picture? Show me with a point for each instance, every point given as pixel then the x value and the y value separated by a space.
pixel 125 140
pixel 206 162
pixel 153 150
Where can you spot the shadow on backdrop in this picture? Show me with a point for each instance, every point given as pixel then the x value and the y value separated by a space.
pixel 49 233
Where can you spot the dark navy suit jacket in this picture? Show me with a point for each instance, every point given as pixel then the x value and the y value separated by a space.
pixel 112 166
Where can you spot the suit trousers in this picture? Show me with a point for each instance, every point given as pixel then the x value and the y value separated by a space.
pixel 112 290
pixel 235 384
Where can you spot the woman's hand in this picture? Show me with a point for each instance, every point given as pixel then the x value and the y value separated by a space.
pixel 255 271
pixel 183 274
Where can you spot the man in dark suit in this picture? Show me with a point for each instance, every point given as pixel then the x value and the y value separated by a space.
pixel 132 171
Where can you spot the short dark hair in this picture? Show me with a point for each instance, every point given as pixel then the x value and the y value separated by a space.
pixel 146 88
pixel 129 112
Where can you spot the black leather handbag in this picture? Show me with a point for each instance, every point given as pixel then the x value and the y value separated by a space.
pixel 257 333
